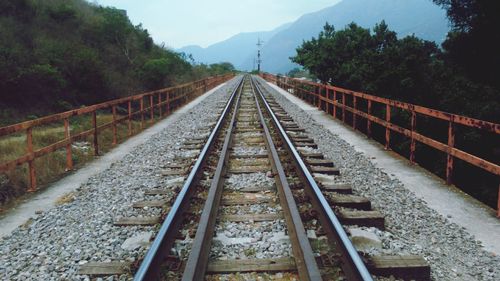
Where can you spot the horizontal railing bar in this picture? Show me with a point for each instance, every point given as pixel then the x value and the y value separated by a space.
pixel 424 111
pixel 459 119
pixel 7 166
pixel 88 109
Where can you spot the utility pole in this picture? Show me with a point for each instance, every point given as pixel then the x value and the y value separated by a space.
pixel 259 61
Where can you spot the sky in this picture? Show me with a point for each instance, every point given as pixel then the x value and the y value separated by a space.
pixel 198 22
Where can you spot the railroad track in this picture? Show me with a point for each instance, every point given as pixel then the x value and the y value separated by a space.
pixel 261 202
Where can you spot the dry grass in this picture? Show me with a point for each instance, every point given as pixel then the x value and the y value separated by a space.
pixel 66 198
pixel 52 166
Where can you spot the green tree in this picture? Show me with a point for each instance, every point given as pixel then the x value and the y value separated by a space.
pixel 154 73
pixel 474 41
pixel 377 63
pixel 221 68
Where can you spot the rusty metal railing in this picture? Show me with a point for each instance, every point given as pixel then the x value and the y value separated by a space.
pixel 331 99
pixel 164 101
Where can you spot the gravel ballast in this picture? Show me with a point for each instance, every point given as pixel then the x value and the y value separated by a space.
pixel 54 244
pixel 412 227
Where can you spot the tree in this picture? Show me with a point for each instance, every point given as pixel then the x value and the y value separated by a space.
pixel 474 41
pixel 221 68
pixel 117 28
pixel 154 73
pixel 377 63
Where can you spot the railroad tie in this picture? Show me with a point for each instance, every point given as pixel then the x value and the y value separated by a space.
pixel 96 269
pixel 336 187
pixel 407 267
pixel 362 218
pixel 130 221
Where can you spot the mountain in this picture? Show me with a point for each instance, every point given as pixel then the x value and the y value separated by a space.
pixel 420 17
pixel 235 49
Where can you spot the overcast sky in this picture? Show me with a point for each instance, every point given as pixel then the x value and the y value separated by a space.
pixel 198 22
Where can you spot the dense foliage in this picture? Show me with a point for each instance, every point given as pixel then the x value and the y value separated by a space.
pixel 474 41
pixel 57 54
pixel 417 71
pixel 407 69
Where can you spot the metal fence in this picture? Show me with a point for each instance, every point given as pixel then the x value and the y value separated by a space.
pixel 333 100
pixel 164 101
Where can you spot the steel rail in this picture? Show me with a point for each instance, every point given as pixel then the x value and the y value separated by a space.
pixel 151 264
pixel 198 257
pixel 352 264
pixel 303 254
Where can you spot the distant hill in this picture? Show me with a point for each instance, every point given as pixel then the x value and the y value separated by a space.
pixel 235 49
pixel 420 17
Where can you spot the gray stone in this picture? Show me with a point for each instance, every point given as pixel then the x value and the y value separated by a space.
pixel 137 241
pixel 365 240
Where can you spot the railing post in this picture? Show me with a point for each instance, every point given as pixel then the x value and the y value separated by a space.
pixel 354 114
pixel 343 107
pixel 318 96
pixel 159 105
pixel 67 135
pixel 115 138
pixel 387 130
pixel 368 121
pixel 152 108
pixel 334 103
pixel 413 142
pixel 142 112
pixel 129 117
pixel 451 144
pixel 168 103
pixel 327 102
pixel 94 125
pixel 31 164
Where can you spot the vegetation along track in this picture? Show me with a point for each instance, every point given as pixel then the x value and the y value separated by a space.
pixel 260 203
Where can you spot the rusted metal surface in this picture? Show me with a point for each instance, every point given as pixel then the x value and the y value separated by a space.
pixel 413 142
pixel 152 108
pixel 295 87
pixel 114 125
pixel 368 121
pixel 31 165
pixel 449 158
pixel 67 136
pixel 175 96
pixel 387 130
pixel 96 133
